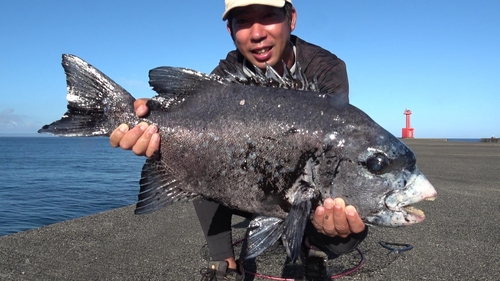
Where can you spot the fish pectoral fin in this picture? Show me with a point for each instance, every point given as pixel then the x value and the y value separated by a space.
pixel 159 188
pixel 262 232
pixel 295 223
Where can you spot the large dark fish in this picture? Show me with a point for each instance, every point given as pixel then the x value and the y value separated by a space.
pixel 265 150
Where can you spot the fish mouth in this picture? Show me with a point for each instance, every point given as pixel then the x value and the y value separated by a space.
pixel 399 204
pixel 413 215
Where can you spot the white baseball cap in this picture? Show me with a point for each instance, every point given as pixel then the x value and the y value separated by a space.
pixel 231 4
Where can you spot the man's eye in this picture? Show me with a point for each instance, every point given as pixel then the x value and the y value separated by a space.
pixel 241 21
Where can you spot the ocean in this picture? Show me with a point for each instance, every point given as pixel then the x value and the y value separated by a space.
pixel 463 140
pixel 45 180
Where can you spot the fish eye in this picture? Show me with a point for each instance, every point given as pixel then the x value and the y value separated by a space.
pixel 376 164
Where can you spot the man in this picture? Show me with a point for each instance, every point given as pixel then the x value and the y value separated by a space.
pixel 261 31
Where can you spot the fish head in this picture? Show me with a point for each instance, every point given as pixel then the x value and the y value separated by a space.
pixel 401 184
pixel 375 172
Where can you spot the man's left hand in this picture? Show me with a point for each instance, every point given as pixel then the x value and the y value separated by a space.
pixel 335 219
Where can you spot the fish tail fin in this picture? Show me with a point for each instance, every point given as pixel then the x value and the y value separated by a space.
pixel 96 104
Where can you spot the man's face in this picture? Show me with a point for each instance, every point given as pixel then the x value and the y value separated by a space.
pixel 261 33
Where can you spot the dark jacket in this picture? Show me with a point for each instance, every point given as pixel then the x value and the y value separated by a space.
pixel 315 61
pixel 331 74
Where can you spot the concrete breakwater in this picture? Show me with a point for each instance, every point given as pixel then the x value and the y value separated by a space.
pixel 458 240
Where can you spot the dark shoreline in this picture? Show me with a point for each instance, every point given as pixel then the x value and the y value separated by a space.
pixel 492 139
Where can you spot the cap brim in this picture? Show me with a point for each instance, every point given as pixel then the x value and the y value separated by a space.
pixel 253 2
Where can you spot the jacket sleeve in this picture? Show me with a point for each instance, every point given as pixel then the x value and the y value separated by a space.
pixel 337 245
pixel 331 74
pixel 229 63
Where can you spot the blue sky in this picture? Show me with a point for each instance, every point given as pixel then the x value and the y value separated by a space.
pixel 440 59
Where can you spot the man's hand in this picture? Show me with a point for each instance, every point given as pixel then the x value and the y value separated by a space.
pixel 143 139
pixel 335 219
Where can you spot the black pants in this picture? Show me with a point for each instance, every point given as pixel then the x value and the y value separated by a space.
pixel 215 221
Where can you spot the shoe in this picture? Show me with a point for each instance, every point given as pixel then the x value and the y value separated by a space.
pixel 219 271
pixel 315 262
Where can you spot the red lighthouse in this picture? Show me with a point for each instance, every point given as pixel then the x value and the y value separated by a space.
pixel 408 131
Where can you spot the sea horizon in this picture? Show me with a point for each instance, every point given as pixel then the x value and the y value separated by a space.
pixel 34 135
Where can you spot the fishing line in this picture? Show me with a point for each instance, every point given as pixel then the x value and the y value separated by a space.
pixel 396 247
pixel 334 276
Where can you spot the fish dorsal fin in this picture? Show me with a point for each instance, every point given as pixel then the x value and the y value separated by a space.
pixel 271 78
pixel 159 187
pixel 174 84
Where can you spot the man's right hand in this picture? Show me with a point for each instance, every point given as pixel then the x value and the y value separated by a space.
pixel 143 139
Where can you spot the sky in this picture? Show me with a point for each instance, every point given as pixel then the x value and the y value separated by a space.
pixel 439 59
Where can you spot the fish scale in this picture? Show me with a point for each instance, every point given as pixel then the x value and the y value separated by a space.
pixel 264 144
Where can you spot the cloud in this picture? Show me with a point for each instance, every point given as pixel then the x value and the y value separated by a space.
pixel 11 123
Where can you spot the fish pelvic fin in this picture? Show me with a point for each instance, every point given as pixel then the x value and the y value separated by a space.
pixel 174 84
pixel 262 232
pixel 295 223
pixel 96 104
pixel 158 187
